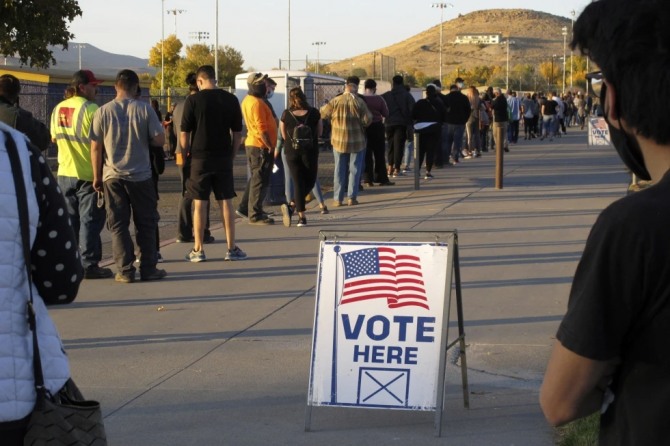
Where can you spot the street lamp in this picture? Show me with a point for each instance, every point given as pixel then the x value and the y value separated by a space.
pixel 162 50
pixel 442 6
pixel 572 30
pixel 507 42
pixel 565 35
pixel 78 46
pixel 318 45
pixel 289 35
pixel 551 75
pixel 175 12
pixel 216 43
pixel 200 35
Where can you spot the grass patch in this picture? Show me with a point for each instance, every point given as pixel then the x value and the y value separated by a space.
pixel 582 432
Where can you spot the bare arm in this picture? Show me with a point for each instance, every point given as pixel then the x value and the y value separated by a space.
pixel 573 385
pixel 185 143
pixel 96 162
pixel 282 129
pixel 237 140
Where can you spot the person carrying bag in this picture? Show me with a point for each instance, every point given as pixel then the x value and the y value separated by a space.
pixel 39 405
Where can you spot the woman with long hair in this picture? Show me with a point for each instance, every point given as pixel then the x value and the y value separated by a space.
pixel 302 156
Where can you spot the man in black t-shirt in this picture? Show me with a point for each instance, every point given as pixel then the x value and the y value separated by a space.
pixel 215 119
pixel 613 343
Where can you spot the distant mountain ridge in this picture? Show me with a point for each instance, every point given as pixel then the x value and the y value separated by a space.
pixel 534 37
pixel 99 61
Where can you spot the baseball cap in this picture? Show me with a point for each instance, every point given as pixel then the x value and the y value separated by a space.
pixel 85 77
pixel 256 78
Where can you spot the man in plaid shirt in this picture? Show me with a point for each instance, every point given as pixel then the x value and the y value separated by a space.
pixel 349 117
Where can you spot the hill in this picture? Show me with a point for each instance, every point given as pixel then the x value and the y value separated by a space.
pixel 534 37
pixel 100 62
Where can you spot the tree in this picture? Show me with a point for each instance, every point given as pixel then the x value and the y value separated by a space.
pixel 171 48
pixel 28 27
pixel 230 63
pixel 360 72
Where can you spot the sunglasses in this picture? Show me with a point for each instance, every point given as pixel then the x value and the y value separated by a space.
pixel 596 80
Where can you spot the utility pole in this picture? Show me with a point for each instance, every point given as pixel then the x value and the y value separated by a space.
pixel 318 59
pixel 442 7
pixel 175 12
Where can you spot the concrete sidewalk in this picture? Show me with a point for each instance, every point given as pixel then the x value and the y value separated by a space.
pixel 219 352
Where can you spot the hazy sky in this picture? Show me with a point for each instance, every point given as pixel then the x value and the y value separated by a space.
pixel 259 28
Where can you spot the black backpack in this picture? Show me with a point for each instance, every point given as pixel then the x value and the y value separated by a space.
pixel 302 136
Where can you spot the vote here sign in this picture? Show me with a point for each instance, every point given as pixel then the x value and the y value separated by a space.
pixel 378 325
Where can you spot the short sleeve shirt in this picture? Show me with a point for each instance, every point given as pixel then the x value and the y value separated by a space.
pixel 210 116
pixel 619 307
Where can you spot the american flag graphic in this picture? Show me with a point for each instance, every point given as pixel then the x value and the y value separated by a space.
pixel 380 273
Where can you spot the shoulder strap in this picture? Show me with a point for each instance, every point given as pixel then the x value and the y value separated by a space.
pixel 22 203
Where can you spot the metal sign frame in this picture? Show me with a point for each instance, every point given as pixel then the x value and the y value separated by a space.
pixel 453 277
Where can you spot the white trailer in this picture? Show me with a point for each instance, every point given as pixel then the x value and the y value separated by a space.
pixel 317 87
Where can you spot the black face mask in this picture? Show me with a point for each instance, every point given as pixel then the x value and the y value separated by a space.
pixel 626 146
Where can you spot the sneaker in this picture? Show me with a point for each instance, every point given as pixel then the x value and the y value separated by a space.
pixel 324 210
pixel 286 215
pixel 240 213
pixel 428 176
pixel 95 272
pixel 337 203
pixel 352 202
pixel 235 254
pixel 196 256
pixel 467 157
pixel 159 258
pixel 208 239
pixel 262 220
pixel 302 222
pixel 155 274
pixel 184 239
pixel 125 277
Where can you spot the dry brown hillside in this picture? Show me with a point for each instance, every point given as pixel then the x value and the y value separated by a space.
pixel 536 36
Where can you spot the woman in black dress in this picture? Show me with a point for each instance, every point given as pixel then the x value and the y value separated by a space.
pixel 302 159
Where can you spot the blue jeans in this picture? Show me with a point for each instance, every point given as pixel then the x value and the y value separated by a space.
pixel 123 198
pixel 549 125
pixel 408 157
pixel 454 140
pixel 348 169
pixel 87 218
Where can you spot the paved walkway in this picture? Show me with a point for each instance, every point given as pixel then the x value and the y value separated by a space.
pixel 219 352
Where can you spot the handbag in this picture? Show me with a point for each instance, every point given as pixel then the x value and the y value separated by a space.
pixel 65 418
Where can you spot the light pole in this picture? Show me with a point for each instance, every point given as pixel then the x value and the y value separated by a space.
pixel 507 42
pixel 200 35
pixel 162 50
pixel 174 12
pixel 289 35
pixel 318 45
pixel 78 46
pixel 551 76
pixel 442 6
pixel 572 30
pixel 565 35
pixel 216 43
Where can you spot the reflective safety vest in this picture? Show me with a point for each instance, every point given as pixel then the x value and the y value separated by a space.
pixel 70 127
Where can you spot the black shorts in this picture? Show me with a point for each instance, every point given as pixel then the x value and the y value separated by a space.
pixel 207 176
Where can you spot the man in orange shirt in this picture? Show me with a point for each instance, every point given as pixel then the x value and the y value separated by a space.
pixel 259 143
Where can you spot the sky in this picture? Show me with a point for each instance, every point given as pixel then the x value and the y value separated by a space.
pixel 259 28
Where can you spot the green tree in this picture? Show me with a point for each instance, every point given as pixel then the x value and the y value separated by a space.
pixel 171 47
pixel 28 27
pixel 230 63
pixel 360 72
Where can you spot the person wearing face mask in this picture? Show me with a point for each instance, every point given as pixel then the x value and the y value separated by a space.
pixel 259 144
pixel 611 353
